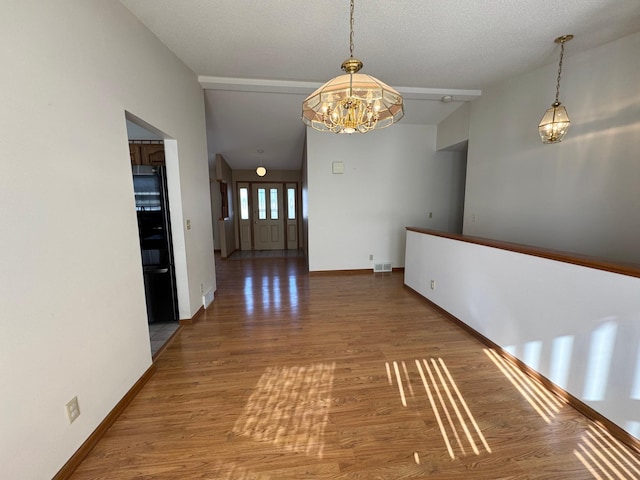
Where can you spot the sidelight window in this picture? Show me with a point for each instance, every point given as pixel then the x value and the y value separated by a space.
pixel 244 203
pixel 291 203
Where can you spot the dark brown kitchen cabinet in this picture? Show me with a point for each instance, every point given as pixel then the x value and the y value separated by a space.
pixel 146 153
pixel 135 154
pixel 152 154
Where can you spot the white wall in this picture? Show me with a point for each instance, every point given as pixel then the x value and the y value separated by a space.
pixel 577 326
pixel 454 129
pixel 580 195
pixel 71 288
pixel 392 179
pixel 276 176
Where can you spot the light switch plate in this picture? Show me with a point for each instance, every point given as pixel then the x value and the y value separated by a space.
pixel 337 167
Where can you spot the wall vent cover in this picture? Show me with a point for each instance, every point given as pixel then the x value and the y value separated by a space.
pixel 381 267
pixel 207 298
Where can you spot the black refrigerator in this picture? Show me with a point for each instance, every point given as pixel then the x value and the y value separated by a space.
pixel 152 209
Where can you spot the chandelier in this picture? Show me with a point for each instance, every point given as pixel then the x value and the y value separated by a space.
pixel 354 102
pixel 555 121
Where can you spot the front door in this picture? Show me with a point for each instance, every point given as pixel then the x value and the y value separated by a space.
pixel 268 217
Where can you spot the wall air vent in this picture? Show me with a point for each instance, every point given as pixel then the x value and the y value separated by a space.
pixel 381 267
pixel 207 298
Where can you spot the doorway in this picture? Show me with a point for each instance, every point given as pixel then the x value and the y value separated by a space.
pixel 147 152
pixel 268 217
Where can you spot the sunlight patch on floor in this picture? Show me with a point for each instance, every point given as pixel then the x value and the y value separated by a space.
pixel 606 457
pixel 542 400
pixel 289 408
pixel 455 421
pixel 232 471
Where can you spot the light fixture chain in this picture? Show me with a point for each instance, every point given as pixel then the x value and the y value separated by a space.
pixel 559 71
pixel 351 30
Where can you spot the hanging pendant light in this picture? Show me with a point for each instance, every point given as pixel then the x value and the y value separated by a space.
pixel 555 122
pixel 261 171
pixel 352 103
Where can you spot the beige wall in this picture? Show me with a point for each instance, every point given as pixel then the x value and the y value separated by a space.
pixel 580 195
pixel 454 129
pixel 393 178
pixel 71 286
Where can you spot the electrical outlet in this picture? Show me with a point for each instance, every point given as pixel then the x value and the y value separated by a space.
pixel 430 214
pixel 371 257
pixel 433 284
pixel 201 288
pixel 473 217
pixel 188 222
pixel 73 409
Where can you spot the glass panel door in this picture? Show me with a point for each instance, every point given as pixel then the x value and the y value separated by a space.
pixel 268 224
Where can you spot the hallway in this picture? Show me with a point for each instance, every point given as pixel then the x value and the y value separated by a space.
pixel 341 376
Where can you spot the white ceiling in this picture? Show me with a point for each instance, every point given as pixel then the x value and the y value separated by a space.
pixel 258 60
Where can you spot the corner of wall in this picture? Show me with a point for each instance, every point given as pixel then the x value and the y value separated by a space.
pixel 454 129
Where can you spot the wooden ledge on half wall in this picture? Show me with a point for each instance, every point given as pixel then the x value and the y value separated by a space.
pixel 622 268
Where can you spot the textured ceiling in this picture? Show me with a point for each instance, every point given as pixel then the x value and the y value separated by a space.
pixel 412 45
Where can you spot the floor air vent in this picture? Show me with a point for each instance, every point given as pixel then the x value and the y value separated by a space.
pixel 381 267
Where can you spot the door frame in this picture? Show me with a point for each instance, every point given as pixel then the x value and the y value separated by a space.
pixel 247 225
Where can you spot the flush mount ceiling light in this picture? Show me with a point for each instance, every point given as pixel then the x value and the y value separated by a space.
pixel 352 103
pixel 555 122
pixel 261 171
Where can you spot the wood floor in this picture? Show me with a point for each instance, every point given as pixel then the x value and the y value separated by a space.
pixel 291 376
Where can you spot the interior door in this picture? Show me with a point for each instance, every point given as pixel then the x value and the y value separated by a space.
pixel 268 217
